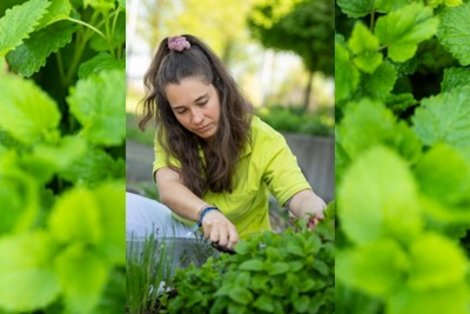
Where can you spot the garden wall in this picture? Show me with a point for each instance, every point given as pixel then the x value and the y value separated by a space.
pixel 316 157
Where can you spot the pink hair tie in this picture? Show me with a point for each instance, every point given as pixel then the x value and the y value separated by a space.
pixel 178 43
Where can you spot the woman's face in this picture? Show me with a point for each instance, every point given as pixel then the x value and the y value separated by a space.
pixel 196 106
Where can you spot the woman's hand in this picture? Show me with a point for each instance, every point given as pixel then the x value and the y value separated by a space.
pixel 307 205
pixel 219 230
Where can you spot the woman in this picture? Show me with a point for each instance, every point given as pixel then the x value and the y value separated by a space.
pixel 215 162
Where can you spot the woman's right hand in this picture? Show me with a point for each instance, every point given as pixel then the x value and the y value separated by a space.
pixel 219 230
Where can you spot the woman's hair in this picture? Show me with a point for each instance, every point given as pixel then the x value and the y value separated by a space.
pixel 224 149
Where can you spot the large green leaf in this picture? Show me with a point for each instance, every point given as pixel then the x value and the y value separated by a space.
pixel 364 46
pixel 29 57
pixel 18 195
pixel 402 30
pixel 59 10
pixel 101 62
pixel 450 300
pixel 98 102
pixel 27 280
pixel 76 218
pixel 444 118
pixel 444 176
pixel 111 201
pixel 378 199
pixel 454 32
pixel 346 74
pixel 381 127
pixel 18 22
pixel 378 84
pixel 356 8
pixel 385 6
pixel 83 276
pixel 94 166
pixel 378 268
pixel 429 270
pixel 26 112
pixel 454 78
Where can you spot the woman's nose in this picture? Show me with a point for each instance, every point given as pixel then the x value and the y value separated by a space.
pixel 197 116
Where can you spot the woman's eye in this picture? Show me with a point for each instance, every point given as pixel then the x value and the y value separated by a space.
pixel 202 103
pixel 181 111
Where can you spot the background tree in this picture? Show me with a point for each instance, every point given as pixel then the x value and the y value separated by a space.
pixel 304 27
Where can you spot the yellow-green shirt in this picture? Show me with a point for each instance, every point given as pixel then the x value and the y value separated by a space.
pixel 267 164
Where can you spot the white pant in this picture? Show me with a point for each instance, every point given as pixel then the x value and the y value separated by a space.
pixel 145 216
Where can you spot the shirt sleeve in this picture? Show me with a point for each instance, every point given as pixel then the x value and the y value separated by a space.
pixel 282 173
pixel 161 157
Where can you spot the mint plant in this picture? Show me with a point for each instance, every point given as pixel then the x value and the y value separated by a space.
pixel 403 156
pixel 62 168
pixel 290 272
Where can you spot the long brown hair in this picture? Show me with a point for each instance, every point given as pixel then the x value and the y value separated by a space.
pixel 221 152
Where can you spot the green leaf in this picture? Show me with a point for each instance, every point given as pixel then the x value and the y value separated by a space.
pixel 444 175
pixel 253 265
pixel 454 78
pixel 264 303
pixel 398 103
pixel 356 8
pixel 18 195
pixel 302 304
pixel 240 295
pixel 379 84
pixel 385 6
pixel 28 282
pixel 94 166
pixel 378 268
pixel 346 74
pixel 430 270
pixel 454 32
pixel 61 155
pixel 83 277
pixel 26 112
pixel 18 22
pixel 76 218
pixel 444 118
pixel 101 62
pixel 402 30
pixel 364 46
pixel 110 199
pixel 278 268
pixel 378 199
pixel 379 123
pixel 98 103
pixel 29 57
pixel 449 300
pixel 58 10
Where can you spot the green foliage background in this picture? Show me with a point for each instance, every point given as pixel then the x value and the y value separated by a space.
pixel 402 156
pixel 62 128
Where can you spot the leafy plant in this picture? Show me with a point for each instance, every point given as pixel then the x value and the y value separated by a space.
pixel 291 119
pixel 62 156
pixel 291 272
pixel 402 156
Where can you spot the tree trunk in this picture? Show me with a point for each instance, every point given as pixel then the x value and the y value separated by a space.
pixel 308 90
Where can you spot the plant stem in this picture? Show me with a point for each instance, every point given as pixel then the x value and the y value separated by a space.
pixel 87 25
pixel 372 21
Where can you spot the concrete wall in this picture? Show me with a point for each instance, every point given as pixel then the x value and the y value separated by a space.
pixel 316 157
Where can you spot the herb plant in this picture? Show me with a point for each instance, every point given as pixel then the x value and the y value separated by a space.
pixel 62 128
pixel 403 156
pixel 290 272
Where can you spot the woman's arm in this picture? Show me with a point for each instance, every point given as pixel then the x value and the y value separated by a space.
pixel 306 203
pixel 174 194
